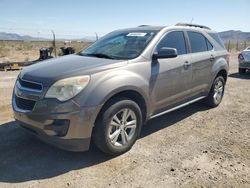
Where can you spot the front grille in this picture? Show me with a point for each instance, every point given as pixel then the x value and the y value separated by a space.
pixel 30 85
pixel 25 104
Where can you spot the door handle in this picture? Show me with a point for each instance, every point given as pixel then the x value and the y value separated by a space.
pixel 212 58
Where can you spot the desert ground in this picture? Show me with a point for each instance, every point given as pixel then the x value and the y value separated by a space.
pixel 16 51
pixel 191 147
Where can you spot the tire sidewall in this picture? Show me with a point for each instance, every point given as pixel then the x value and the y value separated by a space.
pixel 108 115
pixel 219 78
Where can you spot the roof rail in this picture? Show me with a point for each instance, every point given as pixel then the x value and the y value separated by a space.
pixel 192 25
pixel 143 25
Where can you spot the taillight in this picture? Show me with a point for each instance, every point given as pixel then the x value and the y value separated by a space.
pixel 240 56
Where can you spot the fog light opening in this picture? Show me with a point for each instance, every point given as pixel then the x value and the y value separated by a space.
pixel 58 128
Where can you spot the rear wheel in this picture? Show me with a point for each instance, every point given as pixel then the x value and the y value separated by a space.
pixel 216 93
pixel 242 71
pixel 118 127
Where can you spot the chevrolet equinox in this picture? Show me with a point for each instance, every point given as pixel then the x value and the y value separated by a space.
pixel 106 92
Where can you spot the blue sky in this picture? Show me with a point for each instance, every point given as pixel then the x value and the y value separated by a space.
pixel 75 18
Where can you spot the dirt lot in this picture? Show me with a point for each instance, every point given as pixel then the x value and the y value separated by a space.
pixel 191 147
pixel 15 51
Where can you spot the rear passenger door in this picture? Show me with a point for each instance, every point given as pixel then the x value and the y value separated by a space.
pixel 202 57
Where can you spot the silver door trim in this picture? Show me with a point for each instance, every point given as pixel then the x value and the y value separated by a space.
pixel 177 107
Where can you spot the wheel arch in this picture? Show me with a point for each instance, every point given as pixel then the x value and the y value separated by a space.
pixel 223 73
pixel 130 93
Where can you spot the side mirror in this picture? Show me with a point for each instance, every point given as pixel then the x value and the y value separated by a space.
pixel 165 53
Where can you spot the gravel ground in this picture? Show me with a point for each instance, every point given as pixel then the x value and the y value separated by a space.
pixel 192 147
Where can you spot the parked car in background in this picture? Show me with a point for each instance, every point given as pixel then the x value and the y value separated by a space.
pixel 244 60
pixel 109 90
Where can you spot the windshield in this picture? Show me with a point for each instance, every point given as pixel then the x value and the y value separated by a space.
pixel 246 55
pixel 120 45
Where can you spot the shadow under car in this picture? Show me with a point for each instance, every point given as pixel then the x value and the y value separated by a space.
pixel 23 157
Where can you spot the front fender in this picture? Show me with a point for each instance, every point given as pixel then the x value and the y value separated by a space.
pixel 105 85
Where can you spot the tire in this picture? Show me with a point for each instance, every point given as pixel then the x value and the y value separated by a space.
pixel 105 133
pixel 218 88
pixel 242 71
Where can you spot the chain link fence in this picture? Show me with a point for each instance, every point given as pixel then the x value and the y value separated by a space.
pixel 236 46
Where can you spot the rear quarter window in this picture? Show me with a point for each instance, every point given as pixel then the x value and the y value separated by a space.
pixel 217 38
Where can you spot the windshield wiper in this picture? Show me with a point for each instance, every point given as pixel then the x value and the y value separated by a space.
pixel 100 55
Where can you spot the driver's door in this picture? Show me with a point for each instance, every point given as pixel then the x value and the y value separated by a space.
pixel 171 77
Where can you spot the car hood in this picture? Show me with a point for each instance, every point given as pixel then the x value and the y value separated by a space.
pixel 49 71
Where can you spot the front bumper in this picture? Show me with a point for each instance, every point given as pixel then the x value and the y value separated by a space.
pixel 50 122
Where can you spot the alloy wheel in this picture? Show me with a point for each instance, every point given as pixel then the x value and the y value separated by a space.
pixel 218 91
pixel 122 127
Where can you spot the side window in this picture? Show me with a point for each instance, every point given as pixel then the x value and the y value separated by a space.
pixel 209 46
pixel 217 38
pixel 197 41
pixel 176 40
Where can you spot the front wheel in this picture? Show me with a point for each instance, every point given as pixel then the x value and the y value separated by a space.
pixel 216 93
pixel 118 127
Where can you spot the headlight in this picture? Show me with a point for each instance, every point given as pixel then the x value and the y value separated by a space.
pixel 67 88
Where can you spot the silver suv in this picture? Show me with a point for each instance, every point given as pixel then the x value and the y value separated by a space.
pixel 244 60
pixel 108 91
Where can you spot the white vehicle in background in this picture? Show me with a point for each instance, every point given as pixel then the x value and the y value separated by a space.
pixel 244 60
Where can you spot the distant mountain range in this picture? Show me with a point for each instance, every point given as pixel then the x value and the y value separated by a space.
pixel 15 36
pixel 234 35
pixel 225 35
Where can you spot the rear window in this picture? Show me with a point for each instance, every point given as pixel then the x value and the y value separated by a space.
pixel 246 55
pixel 217 38
pixel 209 46
pixel 197 41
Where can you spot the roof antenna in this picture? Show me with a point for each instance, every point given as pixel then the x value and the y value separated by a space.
pixel 191 20
pixel 96 36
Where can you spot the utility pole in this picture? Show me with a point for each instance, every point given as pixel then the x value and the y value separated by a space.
pixel 228 46
pixel 38 33
pixel 237 46
pixel 54 41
